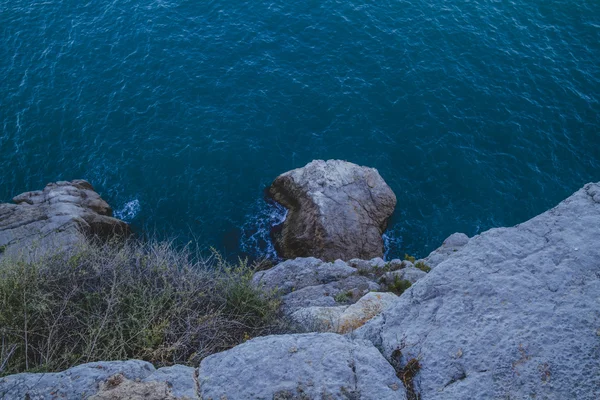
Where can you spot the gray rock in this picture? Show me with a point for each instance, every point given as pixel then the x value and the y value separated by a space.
pixel 377 262
pixel 78 382
pixel 369 306
pixel 301 272
pixel 451 245
pixel 336 210
pixel 308 366
pixel 180 379
pixel 410 274
pixel 55 218
pixel 319 319
pixel 515 313
pixel 353 287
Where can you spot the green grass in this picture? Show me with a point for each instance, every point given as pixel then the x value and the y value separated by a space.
pixel 114 301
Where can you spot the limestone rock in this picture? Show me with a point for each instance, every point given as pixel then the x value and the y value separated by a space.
pixel 54 218
pixel 301 272
pixel 79 382
pixel 307 366
pixel 133 379
pixel 514 313
pixel 350 289
pixel 336 210
pixel 369 306
pixel 410 274
pixel 319 319
pixel 451 245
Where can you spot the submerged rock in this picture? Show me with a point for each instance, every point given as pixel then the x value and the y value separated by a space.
pixel 307 366
pixel 336 210
pixel 513 313
pixel 55 218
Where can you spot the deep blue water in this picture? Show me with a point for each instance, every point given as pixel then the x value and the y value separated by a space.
pixel 478 113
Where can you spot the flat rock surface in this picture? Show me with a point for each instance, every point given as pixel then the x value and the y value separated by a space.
pixel 133 379
pixel 79 382
pixel 55 217
pixel 307 366
pixel 512 314
pixel 336 210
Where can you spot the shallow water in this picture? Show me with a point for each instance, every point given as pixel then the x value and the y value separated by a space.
pixel 477 113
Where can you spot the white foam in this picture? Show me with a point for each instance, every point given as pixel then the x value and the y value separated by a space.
pixel 129 210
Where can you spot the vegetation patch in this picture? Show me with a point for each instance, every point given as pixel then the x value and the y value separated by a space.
pixel 123 300
pixel 422 266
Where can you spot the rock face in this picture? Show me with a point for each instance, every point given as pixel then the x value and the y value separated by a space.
pixel 55 217
pixel 308 366
pixel 514 313
pixel 104 380
pixel 452 244
pixel 336 210
pixel 335 296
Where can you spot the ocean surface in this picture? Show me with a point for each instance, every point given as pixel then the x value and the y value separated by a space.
pixel 478 114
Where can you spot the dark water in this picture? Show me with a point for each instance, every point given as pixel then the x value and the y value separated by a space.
pixel 477 113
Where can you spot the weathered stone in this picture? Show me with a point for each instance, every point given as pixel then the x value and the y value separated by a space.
pixel 75 383
pixel 451 245
pixel 410 274
pixel 369 306
pixel 319 319
pixel 55 218
pixel 353 287
pixel 181 380
pixel 300 273
pixel 514 313
pixel 336 210
pixel 308 366
pixel 133 379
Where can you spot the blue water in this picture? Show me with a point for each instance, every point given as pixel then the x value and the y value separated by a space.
pixel 477 113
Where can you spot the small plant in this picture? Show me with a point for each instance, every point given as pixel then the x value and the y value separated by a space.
pixel 343 297
pixel 398 286
pixel 409 258
pixel 422 266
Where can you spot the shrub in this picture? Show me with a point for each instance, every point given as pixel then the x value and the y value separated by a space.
pixel 422 266
pixel 409 258
pixel 112 301
pixel 398 286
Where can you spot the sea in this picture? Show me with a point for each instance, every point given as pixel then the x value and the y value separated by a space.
pixel 477 113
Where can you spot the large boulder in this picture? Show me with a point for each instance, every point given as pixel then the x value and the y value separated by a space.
pixel 55 218
pixel 336 210
pixel 512 313
pixel 297 367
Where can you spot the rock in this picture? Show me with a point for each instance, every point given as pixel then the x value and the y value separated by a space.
pixel 118 387
pixel 514 313
pixel 336 210
pixel 410 274
pixel 301 272
pixel 350 289
pixel 133 379
pixel 55 218
pixel 181 381
pixel 307 366
pixel 319 319
pixel 74 383
pixel 451 245
pixel 369 306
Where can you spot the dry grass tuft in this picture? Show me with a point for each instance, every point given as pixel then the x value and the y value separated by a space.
pixel 122 300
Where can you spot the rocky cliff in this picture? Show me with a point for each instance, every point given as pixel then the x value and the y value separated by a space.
pixel 512 313
pixel 46 220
